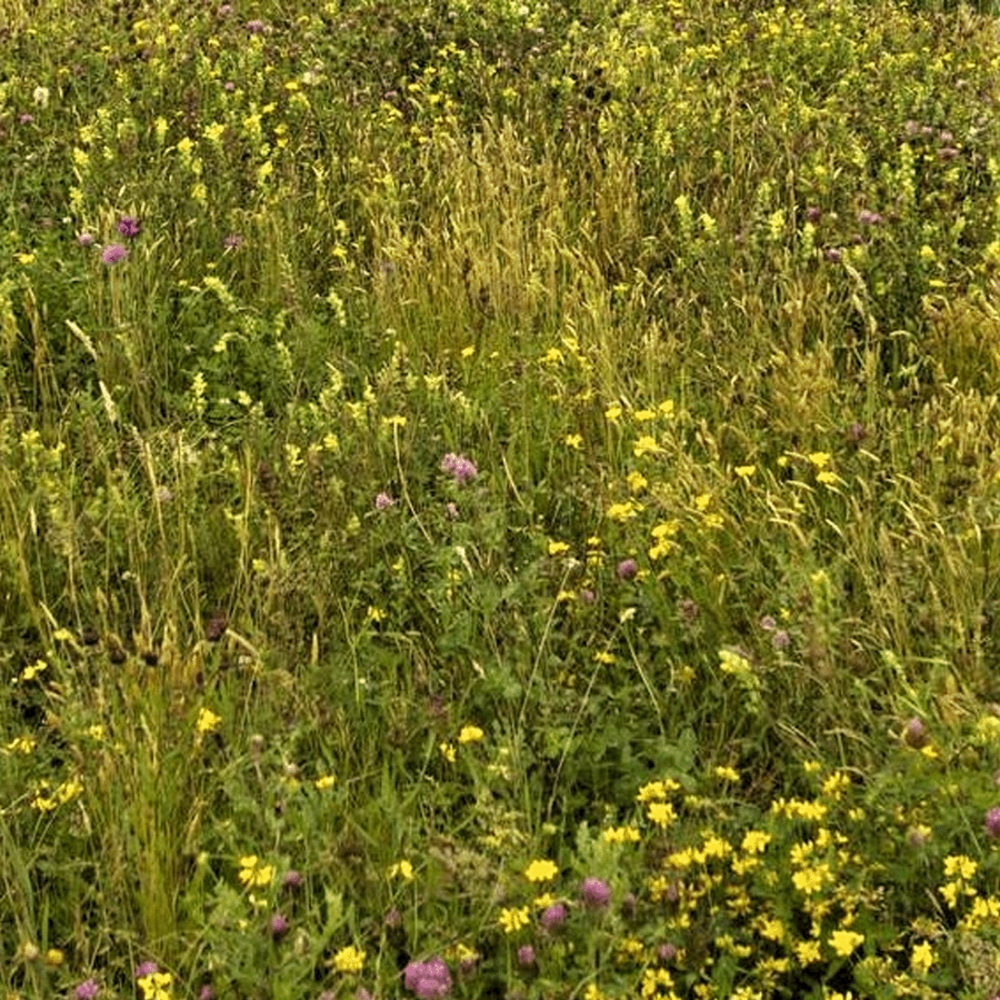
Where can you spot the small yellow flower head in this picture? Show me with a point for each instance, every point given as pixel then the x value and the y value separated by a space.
pixel 922 958
pixel 470 734
pixel 54 957
pixel 512 919
pixel 541 871
pixel 401 869
pixel 207 721
pixel 349 959
pixel 325 781
pixel 844 942
pixel 448 752
pixel 253 873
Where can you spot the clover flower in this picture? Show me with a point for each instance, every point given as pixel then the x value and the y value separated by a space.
pixel 129 227
pixel 462 468
pixel 553 917
pixel 595 892
pixel 87 990
pixel 526 956
pixel 627 569
pixel 113 253
pixel 429 980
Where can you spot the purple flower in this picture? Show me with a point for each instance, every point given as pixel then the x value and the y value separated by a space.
pixel 553 916
pixel 992 823
pixel 627 569
pixel 781 639
pixel 113 253
pixel 292 881
pixel 451 510
pixel 430 980
pixel 915 733
pixel 85 239
pixel 869 218
pixel 595 892
pixel 87 990
pixel 25 118
pixel 383 500
pixel 277 926
pixel 833 254
pixel 587 596
pixel 814 213
pixel 462 468
pixel 232 241
pixel 146 969
pixel 767 623
pixel 525 956
pixel 255 27
pixel 129 227
pixel 206 992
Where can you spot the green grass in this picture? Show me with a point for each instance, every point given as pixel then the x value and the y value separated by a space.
pixel 703 299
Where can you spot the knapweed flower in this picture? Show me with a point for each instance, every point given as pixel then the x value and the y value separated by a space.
pixel 541 871
pixel 595 892
pixel 129 227
pixel 992 823
pixel 430 980
pixel 87 990
pixel 113 253
pixel 526 956
pixel 553 917
pixel 349 959
pixel 462 468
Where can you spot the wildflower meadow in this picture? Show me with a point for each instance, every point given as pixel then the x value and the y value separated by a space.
pixel 499 500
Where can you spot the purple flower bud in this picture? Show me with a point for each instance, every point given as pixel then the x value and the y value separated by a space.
pixel 553 917
pixel 278 927
pixel 781 639
pixel 627 569
pixel 915 733
pixel 292 880
pixel 206 992
pixel 87 990
pixel 146 969
pixel 869 218
pixel 85 239
pixel 587 596
pixel 526 956
pixel 814 213
pixel 595 892
pixel 992 823
pixel 833 254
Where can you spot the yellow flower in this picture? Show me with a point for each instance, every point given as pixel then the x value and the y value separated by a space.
pixel 844 942
pixel 401 869
pixel 326 781
pixel 448 752
pixel 470 734
pixel 541 871
pixel 573 441
pixel 808 952
pixel 622 834
pixel 727 773
pixel 349 959
pixel 745 471
pixel 512 919
pixel 922 958
pixel 557 548
pixel 54 957
pixel 755 841
pixel 661 813
pixel 207 721
pixel 253 873
pixel 646 445
pixel 960 865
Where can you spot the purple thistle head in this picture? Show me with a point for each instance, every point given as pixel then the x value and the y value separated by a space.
pixel 554 916
pixel 129 227
pixel 113 253
pixel 430 980
pixel 992 823
pixel 87 990
pixel 595 892
pixel 462 468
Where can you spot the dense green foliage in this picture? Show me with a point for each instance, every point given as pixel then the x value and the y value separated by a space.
pixel 436 439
